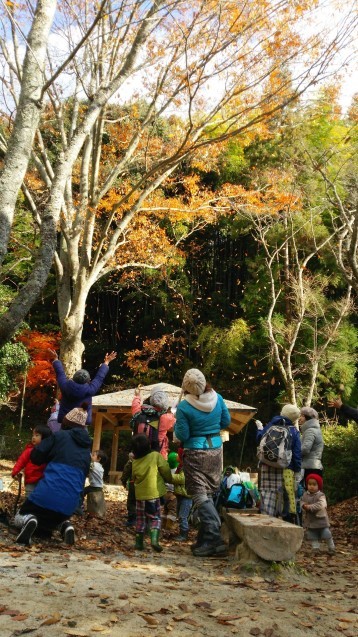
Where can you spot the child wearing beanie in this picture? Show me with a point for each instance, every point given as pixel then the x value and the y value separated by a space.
pixel 315 518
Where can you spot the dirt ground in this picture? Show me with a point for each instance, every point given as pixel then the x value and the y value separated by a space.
pixel 101 586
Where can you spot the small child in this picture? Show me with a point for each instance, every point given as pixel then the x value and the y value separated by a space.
pixel 169 516
pixel 95 499
pixel 33 472
pixel 128 483
pixel 52 422
pixel 150 472
pixel 315 518
pixel 184 501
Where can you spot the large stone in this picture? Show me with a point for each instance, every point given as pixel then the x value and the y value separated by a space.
pixel 270 538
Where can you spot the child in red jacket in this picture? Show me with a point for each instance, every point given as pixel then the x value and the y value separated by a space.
pixel 33 472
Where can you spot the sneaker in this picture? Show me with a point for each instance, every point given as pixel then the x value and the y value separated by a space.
pixel 27 531
pixel 68 533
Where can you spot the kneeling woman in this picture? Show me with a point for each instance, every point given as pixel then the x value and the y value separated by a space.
pixel 199 418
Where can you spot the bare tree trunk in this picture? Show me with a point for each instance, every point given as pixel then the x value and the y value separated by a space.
pixel 27 118
pixel 71 334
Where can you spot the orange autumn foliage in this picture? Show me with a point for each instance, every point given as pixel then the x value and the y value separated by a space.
pixel 41 379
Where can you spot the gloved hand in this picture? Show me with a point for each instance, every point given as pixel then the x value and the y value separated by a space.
pixel 258 424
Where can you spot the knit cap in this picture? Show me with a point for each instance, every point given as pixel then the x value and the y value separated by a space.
pixel 159 398
pixel 173 460
pixel 81 377
pixel 315 476
pixel 291 412
pixel 78 416
pixel 309 413
pixel 194 382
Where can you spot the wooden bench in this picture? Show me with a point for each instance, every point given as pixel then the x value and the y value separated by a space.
pixel 262 536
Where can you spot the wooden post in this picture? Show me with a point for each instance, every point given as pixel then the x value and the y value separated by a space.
pixel 97 431
pixel 114 453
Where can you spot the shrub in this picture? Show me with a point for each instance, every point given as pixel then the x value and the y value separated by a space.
pixel 340 462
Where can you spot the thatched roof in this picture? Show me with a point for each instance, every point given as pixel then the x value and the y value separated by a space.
pixel 120 402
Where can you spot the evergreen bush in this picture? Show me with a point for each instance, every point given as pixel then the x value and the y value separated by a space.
pixel 340 462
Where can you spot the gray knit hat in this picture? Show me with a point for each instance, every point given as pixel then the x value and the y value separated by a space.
pixel 291 412
pixel 309 413
pixel 194 382
pixel 159 398
pixel 81 377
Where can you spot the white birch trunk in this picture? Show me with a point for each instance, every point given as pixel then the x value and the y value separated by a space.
pixel 27 118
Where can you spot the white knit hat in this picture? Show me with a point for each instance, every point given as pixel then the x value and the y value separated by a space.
pixel 159 398
pixel 194 382
pixel 78 416
pixel 291 412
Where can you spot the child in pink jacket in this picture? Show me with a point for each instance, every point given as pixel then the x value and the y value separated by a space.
pixel 159 401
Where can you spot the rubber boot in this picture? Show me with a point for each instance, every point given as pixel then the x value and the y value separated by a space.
pixel 139 541
pixel 213 543
pixel 315 547
pixel 154 540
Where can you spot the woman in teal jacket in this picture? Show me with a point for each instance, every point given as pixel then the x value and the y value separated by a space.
pixel 200 416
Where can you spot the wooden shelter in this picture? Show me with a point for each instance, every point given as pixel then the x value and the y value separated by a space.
pixel 112 412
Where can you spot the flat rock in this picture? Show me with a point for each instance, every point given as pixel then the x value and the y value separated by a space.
pixel 270 538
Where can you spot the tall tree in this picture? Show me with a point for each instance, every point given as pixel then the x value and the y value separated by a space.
pixel 217 69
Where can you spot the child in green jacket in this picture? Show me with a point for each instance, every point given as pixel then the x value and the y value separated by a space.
pixel 150 472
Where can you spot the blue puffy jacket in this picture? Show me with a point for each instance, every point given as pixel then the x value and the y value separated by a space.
pixel 295 463
pixel 68 457
pixel 74 394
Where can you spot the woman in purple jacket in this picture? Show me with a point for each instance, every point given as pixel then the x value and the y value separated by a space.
pixel 80 388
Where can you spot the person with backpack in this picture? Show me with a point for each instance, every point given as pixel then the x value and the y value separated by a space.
pixel 200 417
pixel 279 454
pixel 312 444
pixel 153 420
